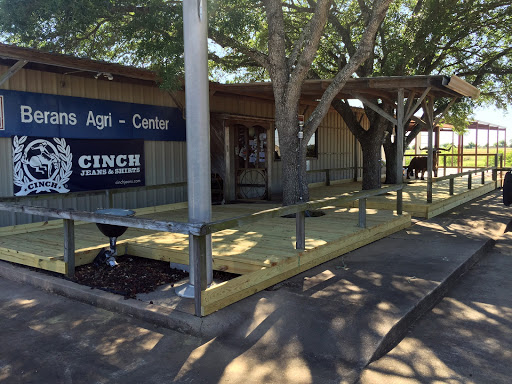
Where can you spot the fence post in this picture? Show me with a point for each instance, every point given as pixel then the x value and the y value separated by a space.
pixel 69 247
pixel 300 230
pixel 495 169
pixel 452 182
pixel 470 176
pixel 327 177
pixel 444 165
pixel 362 213
pixel 399 202
pixel 198 245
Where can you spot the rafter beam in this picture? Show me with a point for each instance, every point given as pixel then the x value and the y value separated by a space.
pixel 376 108
pixel 418 103
pixel 11 71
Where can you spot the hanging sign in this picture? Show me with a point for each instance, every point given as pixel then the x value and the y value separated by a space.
pixel 58 165
pixel 42 115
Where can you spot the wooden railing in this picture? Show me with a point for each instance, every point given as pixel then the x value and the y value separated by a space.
pixel 198 231
pixel 327 172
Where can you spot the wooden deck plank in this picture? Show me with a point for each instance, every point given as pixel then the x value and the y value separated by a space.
pixel 222 295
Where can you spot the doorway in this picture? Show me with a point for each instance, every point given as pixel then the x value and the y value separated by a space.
pixel 251 162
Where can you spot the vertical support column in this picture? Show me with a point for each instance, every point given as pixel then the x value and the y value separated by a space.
pixel 483 177
pixel 400 136
pixel 399 202
pixel 356 159
pixel 488 138
pixel 452 183
pixel 429 113
pixel 200 275
pixel 470 179
pixel 362 213
pixel 269 159
pixel 495 171
pixel 327 177
pixel 195 31
pixel 476 146
pixel 69 247
pixel 444 165
pixel 300 230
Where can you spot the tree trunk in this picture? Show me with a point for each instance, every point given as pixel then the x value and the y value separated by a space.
pixel 371 148
pixel 293 159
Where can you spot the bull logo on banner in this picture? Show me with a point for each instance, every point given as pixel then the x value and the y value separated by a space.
pixel 41 165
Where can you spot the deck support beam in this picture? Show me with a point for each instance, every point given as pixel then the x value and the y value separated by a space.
pixel 198 243
pixel 300 230
pixel 362 213
pixel 69 247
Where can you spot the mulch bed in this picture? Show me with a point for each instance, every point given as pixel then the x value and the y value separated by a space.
pixel 133 275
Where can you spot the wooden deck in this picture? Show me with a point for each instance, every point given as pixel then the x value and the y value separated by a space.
pixel 263 253
pixel 415 195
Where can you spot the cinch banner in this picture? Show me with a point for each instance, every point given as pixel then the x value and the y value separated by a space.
pixel 42 115
pixel 57 165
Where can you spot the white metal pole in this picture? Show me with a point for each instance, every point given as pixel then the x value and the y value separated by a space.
pixel 195 28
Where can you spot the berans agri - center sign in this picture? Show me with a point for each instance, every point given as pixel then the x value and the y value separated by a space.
pixel 65 144
pixel 42 115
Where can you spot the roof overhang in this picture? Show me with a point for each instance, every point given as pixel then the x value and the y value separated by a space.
pixel 385 88
pixel 67 64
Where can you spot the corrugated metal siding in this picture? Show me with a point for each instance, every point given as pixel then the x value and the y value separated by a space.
pixel 165 161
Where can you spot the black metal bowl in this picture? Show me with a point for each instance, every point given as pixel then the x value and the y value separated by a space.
pixel 113 230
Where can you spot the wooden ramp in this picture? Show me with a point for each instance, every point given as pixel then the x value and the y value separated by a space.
pixel 415 195
pixel 263 253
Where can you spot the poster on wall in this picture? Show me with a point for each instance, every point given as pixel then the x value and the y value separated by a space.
pixel 43 115
pixel 59 165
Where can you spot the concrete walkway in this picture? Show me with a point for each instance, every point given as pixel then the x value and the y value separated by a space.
pixel 467 338
pixel 323 326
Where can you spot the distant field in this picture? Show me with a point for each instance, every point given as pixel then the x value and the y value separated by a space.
pixel 469 157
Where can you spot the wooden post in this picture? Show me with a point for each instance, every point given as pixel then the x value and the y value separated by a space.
pixel 495 170
pixel 399 202
pixel 198 245
pixel 429 113
pixel 452 182
pixel 356 159
pixel 444 165
pixel 327 177
pixel 476 146
pixel 69 247
pixel 483 177
pixel 362 213
pixel 300 230
pixel 469 180
pixel 400 136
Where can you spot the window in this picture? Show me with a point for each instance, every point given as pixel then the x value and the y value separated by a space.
pixel 311 151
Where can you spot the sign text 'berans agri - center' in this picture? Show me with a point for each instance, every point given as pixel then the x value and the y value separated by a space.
pixel 42 115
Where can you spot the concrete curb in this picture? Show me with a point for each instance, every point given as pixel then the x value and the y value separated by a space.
pixel 398 331
pixel 157 315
